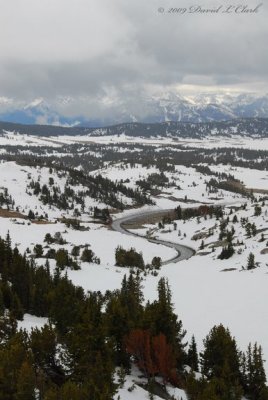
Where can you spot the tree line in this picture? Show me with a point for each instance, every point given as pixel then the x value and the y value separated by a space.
pixel 88 335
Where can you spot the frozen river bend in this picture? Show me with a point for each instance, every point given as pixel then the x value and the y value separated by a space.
pixel 123 225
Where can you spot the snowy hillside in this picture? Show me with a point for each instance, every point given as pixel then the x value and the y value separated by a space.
pixel 59 203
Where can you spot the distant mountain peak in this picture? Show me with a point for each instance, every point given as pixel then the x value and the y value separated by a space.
pixel 163 107
pixel 35 103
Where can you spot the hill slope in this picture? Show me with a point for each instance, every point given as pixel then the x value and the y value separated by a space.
pixel 248 127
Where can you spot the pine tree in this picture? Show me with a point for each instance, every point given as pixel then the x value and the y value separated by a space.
pixel 235 219
pixel 31 215
pixel 248 230
pixel 251 261
pixel 192 355
pixel 73 391
pixel 257 210
pixel 118 322
pixel 255 377
pixel 26 382
pixel 179 212
pixel 123 313
pixel 43 344
pixel 16 308
pixel 12 357
pixel 87 255
pixel 8 327
pixel 52 393
pixel 160 318
pixel 220 359
pixel 66 300
pixel 38 250
pixel 62 258
pixel 226 252
pixel 2 305
pixel 90 354
pixel 156 262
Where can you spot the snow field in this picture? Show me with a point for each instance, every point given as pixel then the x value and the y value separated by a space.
pixel 203 295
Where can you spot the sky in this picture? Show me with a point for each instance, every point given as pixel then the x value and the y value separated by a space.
pixel 110 53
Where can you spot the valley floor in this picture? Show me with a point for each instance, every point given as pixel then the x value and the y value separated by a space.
pixel 206 291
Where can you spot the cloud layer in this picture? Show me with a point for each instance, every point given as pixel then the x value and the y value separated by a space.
pixel 109 51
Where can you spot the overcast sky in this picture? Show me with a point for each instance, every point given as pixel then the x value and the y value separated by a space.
pixel 108 50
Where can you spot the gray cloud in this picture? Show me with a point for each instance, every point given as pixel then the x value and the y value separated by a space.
pixel 104 53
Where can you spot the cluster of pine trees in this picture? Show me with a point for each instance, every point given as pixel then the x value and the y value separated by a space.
pixel 96 187
pixel 153 180
pixel 62 256
pixel 227 373
pixel 52 194
pixel 202 211
pixel 90 334
pixel 205 170
pixel 230 185
pixel 101 213
pixel 131 258
pixel 6 199
pixel 107 191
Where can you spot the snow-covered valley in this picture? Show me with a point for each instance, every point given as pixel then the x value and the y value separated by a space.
pixel 40 199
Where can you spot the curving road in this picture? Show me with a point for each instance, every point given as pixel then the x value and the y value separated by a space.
pixel 183 252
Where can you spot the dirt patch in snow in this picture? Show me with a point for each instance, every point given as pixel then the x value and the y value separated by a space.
pixel 264 251
pixel 4 213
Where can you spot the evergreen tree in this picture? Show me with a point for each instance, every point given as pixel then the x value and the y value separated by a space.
pixel 75 251
pixel 26 382
pixel 12 357
pixel 73 391
pixel 90 353
pixel 257 211
pixel 254 377
pixel 178 212
pixel 62 258
pixel 160 318
pixel 87 255
pixel 2 305
pixel 31 215
pixel 16 309
pixel 221 360
pixel 43 344
pixel 192 355
pixel 235 219
pixel 226 252
pixel 253 229
pixel 251 261
pixel 38 250
pixel 48 238
pixel 124 312
pixel 248 230
pixel 156 262
pixel 66 300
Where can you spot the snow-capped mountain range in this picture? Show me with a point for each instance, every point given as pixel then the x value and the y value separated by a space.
pixel 204 107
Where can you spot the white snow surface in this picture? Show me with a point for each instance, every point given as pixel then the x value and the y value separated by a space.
pixel 252 178
pixel 11 138
pixel 132 390
pixel 31 322
pixel 203 295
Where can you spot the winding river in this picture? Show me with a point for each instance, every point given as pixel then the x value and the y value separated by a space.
pixel 183 252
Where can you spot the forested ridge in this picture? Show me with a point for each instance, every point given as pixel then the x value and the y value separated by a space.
pixel 88 335
pixel 96 187
pixel 239 126
pixel 93 156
